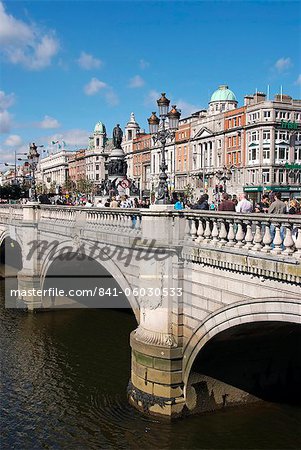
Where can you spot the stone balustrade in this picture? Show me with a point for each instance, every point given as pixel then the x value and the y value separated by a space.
pixel 278 235
pixel 263 234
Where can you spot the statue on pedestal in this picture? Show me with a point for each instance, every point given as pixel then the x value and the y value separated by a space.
pixel 117 136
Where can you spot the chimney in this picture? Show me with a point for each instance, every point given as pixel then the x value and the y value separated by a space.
pixel 259 97
pixel 248 100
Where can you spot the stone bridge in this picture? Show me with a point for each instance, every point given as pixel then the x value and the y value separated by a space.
pixel 216 296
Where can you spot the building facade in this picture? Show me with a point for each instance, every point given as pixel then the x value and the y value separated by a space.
pixel 54 169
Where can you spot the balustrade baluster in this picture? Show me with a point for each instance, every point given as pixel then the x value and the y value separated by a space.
pixel 267 239
pixel 200 232
pixel 193 231
pixel 187 229
pixel 207 232
pixel 222 233
pixel 137 223
pixel 277 241
pixel 214 233
pixel 248 237
pixel 231 235
pixel 257 238
pixel 239 236
pixel 288 241
pixel 298 242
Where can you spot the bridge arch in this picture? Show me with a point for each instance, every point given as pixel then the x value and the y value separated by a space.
pixel 249 311
pixel 109 264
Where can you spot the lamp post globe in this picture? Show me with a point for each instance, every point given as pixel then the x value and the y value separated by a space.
pixel 161 133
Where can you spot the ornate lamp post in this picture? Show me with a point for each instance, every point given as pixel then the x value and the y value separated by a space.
pixel 33 159
pixel 161 134
pixel 224 175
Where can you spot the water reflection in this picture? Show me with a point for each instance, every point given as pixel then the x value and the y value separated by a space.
pixel 64 377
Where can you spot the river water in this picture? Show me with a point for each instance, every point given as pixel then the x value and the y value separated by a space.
pixel 64 378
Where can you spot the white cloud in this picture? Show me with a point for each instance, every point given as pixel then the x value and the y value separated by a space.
pixel 298 80
pixel 152 98
pixel 143 64
pixel 186 108
pixel 13 140
pixel 94 86
pixel 26 44
pixel 136 82
pixel 88 62
pixel 74 137
pixel 5 121
pixel 6 100
pixel 283 64
pixel 49 122
pixel 111 97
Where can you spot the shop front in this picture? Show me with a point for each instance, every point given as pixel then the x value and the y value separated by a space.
pixel 255 192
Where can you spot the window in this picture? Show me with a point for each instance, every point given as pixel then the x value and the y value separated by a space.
pixel 266 153
pixel 297 154
pixel 281 135
pixel 282 153
pixel 97 158
pixel 280 176
pixel 266 175
pixel 266 114
pixel 130 135
pixel 97 166
pixel 254 136
pixel 97 176
pixel 266 135
pixel 97 142
pixel 253 153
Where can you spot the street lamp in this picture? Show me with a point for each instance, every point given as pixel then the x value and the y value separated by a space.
pixel 161 135
pixel 224 175
pixel 33 159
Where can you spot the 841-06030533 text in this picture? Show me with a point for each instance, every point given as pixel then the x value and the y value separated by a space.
pixel 99 292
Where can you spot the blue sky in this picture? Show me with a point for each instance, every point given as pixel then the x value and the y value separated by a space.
pixel 67 64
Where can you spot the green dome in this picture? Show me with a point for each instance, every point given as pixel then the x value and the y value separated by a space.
pixel 223 94
pixel 99 128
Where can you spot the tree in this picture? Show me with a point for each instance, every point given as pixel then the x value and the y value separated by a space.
pixel 84 186
pixel 69 186
pixel 188 191
pixel 52 187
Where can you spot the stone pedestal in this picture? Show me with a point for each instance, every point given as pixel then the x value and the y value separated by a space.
pixel 156 385
pixel 30 295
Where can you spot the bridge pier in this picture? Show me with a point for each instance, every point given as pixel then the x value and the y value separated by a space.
pixel 29 287
pixel 156 387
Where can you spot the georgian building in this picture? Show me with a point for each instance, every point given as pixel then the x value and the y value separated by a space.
pixel 131 132
pixel 97 153
pixel 273 145
pixel 207 141
pixel 141 163
pixel 181 163
pixel 53 169
pixel 77 166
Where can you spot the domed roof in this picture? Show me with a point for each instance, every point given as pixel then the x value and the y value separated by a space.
pixel 99 128
pixel 223 93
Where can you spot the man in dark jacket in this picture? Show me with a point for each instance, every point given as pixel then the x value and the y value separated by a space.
pixel 226 204
pixel 202 203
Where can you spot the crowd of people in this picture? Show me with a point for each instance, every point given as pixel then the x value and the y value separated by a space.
pixel 271 204
pixel 123 201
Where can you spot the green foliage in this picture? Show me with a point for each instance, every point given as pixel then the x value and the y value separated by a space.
pixel 188 191
pixel 11 191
